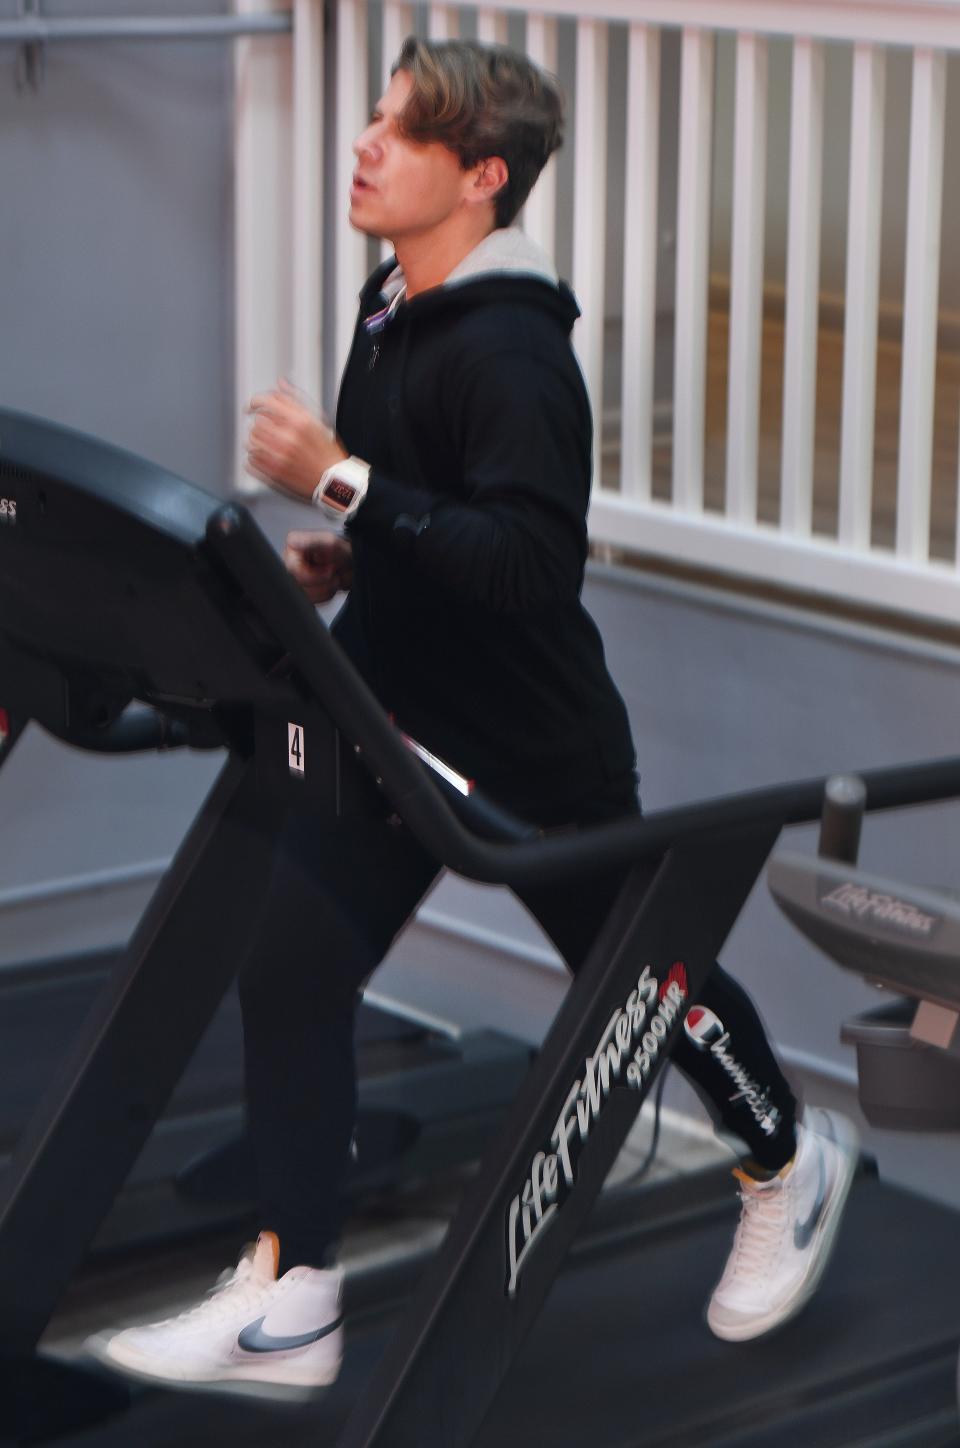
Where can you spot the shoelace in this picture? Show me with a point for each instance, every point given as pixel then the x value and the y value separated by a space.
pixel 232 1289
pixel 763 1220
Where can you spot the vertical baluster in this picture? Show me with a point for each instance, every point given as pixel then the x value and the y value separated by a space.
pixel 693 233
pixel 246 312
pixel 640 260
pixel 540 212
pixel 397 25
pixel 443 22
pixel 590 209
pixel 862 294
pixel 352 114
pixel 263 286
pixel 307 239
pixel 922 280
pixel 746 289
pixel 803 288
pixel 492 26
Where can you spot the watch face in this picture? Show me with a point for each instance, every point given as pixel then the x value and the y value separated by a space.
pixel 339 494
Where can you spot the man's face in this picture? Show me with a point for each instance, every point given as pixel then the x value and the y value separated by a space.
pixel 403 188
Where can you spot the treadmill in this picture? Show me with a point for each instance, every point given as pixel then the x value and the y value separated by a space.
pixel 131 602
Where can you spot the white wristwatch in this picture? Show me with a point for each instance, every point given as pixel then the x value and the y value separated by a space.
pixel 342 488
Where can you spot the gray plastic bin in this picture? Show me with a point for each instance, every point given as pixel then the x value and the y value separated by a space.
pixel 905 1085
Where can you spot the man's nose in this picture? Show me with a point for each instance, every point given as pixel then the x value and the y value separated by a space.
pixel 367 144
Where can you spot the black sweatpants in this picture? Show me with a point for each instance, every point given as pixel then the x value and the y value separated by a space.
pixel 340 892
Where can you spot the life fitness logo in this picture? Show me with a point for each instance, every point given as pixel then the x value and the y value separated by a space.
pixel 8 511
pixel 626 1053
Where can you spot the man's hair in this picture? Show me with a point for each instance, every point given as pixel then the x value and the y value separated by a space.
pixel 481 101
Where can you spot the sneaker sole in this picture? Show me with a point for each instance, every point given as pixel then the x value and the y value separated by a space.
pixel 237 1382
pixel 848 1141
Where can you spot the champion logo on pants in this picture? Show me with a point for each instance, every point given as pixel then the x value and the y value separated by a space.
pixel 702 1027
pixel 708 1033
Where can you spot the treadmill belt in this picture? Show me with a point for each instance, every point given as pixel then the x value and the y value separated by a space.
pixel 620 1356
pixel 43 1004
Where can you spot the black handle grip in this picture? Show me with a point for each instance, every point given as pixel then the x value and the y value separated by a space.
pixel 844 802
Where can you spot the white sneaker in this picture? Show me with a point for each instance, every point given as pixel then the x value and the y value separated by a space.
pixel 252 1332
pixel 787 1229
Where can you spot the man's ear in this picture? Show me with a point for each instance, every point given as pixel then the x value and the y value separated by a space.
pixel 489 178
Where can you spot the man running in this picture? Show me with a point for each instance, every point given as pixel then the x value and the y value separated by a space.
pixel 459 470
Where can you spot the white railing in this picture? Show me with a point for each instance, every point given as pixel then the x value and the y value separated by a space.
pixel 677 509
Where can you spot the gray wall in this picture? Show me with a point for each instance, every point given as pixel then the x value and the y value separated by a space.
pixel 116 291
pixel 116 317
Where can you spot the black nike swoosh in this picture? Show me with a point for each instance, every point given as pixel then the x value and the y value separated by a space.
pixel 252 1338
pixel 803 1231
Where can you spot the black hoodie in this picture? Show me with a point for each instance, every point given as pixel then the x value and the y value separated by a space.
pixel 469 550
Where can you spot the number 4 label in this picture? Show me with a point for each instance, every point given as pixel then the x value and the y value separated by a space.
pixel 295 748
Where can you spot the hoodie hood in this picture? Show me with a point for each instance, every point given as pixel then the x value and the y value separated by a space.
pixel 506 265
pixel 508 251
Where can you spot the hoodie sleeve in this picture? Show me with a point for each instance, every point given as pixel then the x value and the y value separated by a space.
pixel 510 536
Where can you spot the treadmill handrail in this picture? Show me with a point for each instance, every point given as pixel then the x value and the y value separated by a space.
pixel 234 539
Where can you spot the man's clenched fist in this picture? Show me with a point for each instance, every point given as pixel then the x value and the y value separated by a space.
pixel 322 563
pixel 288 447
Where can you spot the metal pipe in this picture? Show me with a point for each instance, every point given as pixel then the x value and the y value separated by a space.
pixel 35 30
